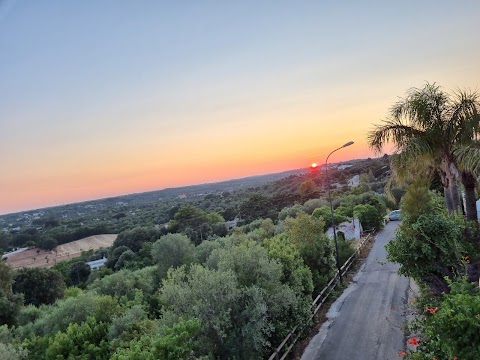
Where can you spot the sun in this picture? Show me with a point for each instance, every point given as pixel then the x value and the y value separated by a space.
pixel 314 166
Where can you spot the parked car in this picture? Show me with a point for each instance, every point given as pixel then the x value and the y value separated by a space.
pixel 394 215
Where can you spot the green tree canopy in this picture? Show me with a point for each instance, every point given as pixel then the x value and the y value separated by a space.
pixel 39 285
pixel 325 213
pixel 10 303
pixel 79 272
pixel 307 233
pixel 369 216
pixel 172 250
pixel 177 342
pixel 427 127
pixel 134 238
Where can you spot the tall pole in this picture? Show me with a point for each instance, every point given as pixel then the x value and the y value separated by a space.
pixel 331 211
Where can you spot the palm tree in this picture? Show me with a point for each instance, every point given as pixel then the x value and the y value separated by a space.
pixel 469 158
pixel 430 124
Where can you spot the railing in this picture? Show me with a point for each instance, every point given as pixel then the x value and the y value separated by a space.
pixel 292 337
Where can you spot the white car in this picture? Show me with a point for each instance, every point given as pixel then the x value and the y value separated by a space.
pixel 394 215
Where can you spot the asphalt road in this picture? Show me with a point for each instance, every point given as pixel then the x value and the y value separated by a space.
pixel 365 323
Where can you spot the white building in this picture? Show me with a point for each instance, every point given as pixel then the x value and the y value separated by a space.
pixel 351 229
pixel 96 264
pixel 354 181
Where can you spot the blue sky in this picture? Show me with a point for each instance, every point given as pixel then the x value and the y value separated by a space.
pixel 99 98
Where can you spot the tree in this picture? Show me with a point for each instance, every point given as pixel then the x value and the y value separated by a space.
pixel 87 340
pixel 203 250
pixel 10 303
pixel 4 241
pixel 188 216
pixel 325 213
pixel 436 126
pixel 126 257
pixel 10 352
pixel 133 324
pixel 256 308
pixel 115 255
pixel 307 233
pixel 206 295
pixel 256 206
pixel 308 189
pixel 291 211
pixel 368 215
pixel 295 273
pixel 47 243
pixel 65 312
pixel 20 239
pixel 214 218
pixel 172 250
pixel 79 272
pixel 125 283
pixel 39 285
pixel 195 223
pixel 311 205
pixel 177 342
pixel 134 238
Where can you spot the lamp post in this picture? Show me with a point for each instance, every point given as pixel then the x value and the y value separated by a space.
pixel 331 210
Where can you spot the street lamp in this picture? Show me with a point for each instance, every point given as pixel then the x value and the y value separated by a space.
pixel 331 209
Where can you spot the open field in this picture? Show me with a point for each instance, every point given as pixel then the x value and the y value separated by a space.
pixel 41 258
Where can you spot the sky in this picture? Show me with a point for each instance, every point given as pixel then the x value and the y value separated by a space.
pixel 102 98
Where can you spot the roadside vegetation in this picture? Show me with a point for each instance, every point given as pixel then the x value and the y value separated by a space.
pixel 438 242
pixel 192 288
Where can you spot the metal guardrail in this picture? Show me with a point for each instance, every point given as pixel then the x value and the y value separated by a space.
pixel 292 337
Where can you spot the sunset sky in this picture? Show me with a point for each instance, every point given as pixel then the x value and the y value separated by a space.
pixel 101 98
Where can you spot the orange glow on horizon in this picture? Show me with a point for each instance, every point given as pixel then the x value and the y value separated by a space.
pixel 102 179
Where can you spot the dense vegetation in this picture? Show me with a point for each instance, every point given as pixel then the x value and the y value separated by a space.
pixel 190 289
pixel 55 226
pixel 438 242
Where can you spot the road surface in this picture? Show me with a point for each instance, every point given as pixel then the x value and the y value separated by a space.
pixel 365 323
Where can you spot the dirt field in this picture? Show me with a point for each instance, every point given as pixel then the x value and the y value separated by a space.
pixel 41 258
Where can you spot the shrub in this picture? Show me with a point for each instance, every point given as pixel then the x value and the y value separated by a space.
pixel 429 249
pixel 325 213
pixel 451 329
pixel 369 216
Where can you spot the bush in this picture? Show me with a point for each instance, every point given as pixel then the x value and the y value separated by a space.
pixel 325 213
pixel 345 247
pixel 369 216
pixel 452 330
pixel 429 249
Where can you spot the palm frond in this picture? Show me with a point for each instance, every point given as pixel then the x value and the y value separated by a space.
pixel 391 131
pixel 408 167
pixel 423 108
pixel 468 157
pixel 464 116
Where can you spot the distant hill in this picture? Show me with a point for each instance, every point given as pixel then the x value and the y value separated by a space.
pixel 17 221
pixel 76 220
pixel 204 189
pixel 164 194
